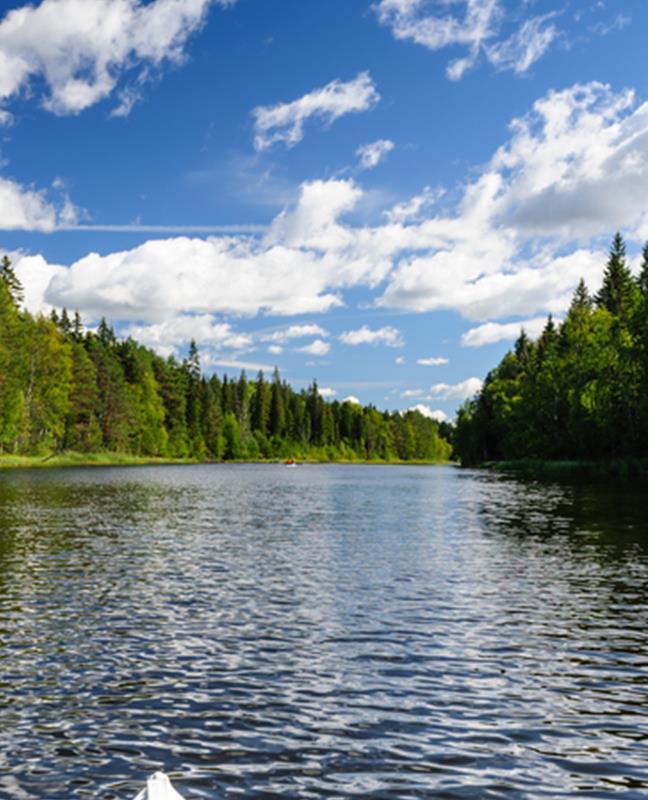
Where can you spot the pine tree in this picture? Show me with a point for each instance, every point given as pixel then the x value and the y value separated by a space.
pixel 277 407
pixel 581 298
pixel 547 340
pixel 11 281
pixel 64 323
pixel 77 327
pixel 642 280
pixel 105 333
pixel 523 349
pixel 260 406
pixel 618 293
pixel 193 405
pixel 82 431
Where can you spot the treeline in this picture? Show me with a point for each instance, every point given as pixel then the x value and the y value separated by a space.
pixel 580 391
pixel 63 388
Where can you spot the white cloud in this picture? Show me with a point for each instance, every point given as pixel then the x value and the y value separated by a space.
pixel 294 332
pixel 515 245
pixel 432 361
pixel 416 207
pixel 427 411
pixel 479 30
pixel 80 49
pixel 284 122
pixel 352 399
pixel 573 167
pixel 35 275
pixel 410 393
pixel 400 360
pixel 457 391
pixel 275 349
pixel 389 336
pixel 525 46
pixel 25 209
pixel 370 155
pixel 208 361
pixel 317 348
pixel 171 335
pixel 492 332
pixel 326 392
pixel 577 164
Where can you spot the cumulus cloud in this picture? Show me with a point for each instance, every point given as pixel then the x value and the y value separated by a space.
pixel 502 252
pixel 284 122
pixel 352 399
pixel 294 332
pixel 577 163
pixel 170 336
pixel 416 207
pixel 35 274
pixel 480 29
pixel 457 391
pixel 326 392
pixel 275 349
pixel 432 361
pixel 492 332
pixel 370 155
pixel 79 50
pixel 317 348
pixel 209 361
pixel 29 209
pixel 389 336
pixel 428 411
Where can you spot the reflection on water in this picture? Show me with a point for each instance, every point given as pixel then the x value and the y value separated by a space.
pixel 337 632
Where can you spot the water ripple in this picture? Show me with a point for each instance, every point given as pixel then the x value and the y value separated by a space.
pixel 326 632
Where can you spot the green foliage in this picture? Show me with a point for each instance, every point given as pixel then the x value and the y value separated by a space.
pixel 65 390
pixel 580 391
pixel 619 293
pixel 11 282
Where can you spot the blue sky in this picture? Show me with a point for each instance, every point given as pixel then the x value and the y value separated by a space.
pixel 373 194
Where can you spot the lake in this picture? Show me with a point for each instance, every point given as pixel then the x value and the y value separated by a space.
pixel 322 632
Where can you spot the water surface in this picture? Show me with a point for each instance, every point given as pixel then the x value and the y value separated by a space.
pixel 322 632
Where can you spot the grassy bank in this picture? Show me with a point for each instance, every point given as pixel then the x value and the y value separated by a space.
pixel 72 459
pixel 613 468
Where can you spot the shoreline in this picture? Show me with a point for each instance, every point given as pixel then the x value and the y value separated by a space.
pixel 631 467
pixel 74 459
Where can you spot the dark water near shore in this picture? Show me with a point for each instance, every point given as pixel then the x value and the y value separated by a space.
pixel 374 632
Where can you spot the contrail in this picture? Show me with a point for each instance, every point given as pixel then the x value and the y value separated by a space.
pixel 199 229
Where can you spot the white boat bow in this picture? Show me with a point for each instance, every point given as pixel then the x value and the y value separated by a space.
pixel 158 787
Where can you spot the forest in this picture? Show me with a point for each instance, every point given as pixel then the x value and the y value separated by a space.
pixel 580 391
pixel 63 388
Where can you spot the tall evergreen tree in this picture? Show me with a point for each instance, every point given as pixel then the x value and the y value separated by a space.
pixel 642 280
pixel 618 293
pixel 11 281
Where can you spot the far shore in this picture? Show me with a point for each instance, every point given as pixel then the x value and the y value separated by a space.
pixel 74 459
pixel 613 467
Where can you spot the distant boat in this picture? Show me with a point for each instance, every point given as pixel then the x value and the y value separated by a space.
pixel 158 787
pixel 290 463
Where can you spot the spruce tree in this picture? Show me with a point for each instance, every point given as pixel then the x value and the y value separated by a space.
pixel 618 293
pixel 11 281
pixel 77 327
pixel 581 298
pixel 64 322
pixel 642 280
pixel 523 349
